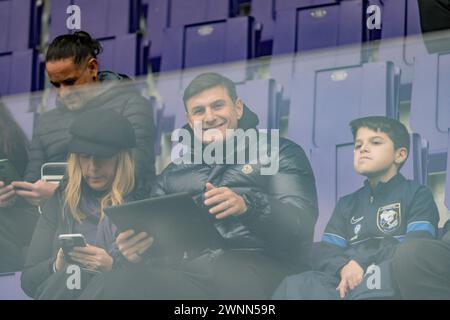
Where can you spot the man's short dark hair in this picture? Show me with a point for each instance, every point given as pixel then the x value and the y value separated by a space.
pixel 79 46
pixel 207 81
pixel 396 130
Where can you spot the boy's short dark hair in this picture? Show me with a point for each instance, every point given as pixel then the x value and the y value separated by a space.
pixel 396 130
pixel 207 81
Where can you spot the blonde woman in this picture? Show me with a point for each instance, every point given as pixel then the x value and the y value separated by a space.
pixel 100 173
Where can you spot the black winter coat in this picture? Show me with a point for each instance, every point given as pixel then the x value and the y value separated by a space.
pixel 282 208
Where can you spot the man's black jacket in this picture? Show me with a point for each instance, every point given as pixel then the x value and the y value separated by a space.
pixel 282 207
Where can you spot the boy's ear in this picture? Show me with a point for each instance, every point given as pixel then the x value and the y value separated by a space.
pixel 401 154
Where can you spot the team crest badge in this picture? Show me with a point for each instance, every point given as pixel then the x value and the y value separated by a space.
pixel 247 169
pixel 389 218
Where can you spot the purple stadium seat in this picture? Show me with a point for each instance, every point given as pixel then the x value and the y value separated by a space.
pixel 294 4
pixel 101 18
pixel 162 14
pixel 297 30
pixel 20 108
pixel 264 13
pixel 196 11
pixel 447 181
pixel 401 21
pixel 324 102
pixel 10 287
pixel 123 54
pixel 261 96
pixel 157 21
pixel 19 25
pixel 210 43
pixel 430 106
pixel 336 177
pixel 17 72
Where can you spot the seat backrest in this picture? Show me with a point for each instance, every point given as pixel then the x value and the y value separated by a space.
pixel 264 13
pixel 295 4
pixel 16 72
pixel 262 97
pixel 324 102
pixel 10 288
pixel 122 54
pixel 184 12
pixel 447 181
pixel 101 18
pixel 20 108
pixel 19 25
pixel 211 43
pixel 430 105
pixel 296 30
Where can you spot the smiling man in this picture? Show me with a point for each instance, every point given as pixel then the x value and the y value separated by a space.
pixel 266 221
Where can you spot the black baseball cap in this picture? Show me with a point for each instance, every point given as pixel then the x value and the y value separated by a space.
pixel 102 133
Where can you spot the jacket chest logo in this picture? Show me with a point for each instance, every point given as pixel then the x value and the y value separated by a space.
pixel 247 169
pixel 389 218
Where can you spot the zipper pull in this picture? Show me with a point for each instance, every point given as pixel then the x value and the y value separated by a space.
pixel 371 199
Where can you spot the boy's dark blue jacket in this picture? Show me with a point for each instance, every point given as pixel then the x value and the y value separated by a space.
pixel 367 225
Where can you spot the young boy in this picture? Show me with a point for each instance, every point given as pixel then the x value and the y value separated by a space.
pixel 355 254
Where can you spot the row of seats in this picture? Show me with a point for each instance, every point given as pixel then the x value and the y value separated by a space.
pixel 348 93
pixel 183 34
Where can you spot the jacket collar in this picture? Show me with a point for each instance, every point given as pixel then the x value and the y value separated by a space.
pixel 110 85
pixel 387 186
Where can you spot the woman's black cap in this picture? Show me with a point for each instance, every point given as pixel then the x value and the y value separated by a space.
pixel 102 133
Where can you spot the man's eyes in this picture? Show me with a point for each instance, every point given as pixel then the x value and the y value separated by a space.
pixel 66 83
pixel 198 111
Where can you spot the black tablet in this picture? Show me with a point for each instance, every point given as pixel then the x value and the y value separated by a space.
pixel 175 221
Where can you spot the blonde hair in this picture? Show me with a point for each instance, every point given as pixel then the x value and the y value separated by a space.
pixel 123 184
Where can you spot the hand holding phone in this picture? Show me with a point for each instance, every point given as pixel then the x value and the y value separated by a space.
pixel 69 241
pixel 8 172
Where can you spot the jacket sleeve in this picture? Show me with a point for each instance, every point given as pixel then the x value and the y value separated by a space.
pixel 446 232
pixel 422 221
pixel 140 114
pixel 36 157
pixel 39 262
pixel 331 253
pixel 284 215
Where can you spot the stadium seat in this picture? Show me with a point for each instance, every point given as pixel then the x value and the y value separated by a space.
pixel 447 181
pixel 101 18
pixel 430 106
pixel 21 109
pixel 324 102
pixel 123 54
pixel 297 48
pixel 296 28
pixel 400 35
pixel 10 287
pixel 19 24
pixel 17 71
pixel 264 13
pixel 210 43
pixel 162 14
pixel 336 177
pixel 262 97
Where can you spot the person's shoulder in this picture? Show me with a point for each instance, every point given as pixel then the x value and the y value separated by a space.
pixel 407 186
pixel 349 199
pixel 52 119
pixel 290 149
